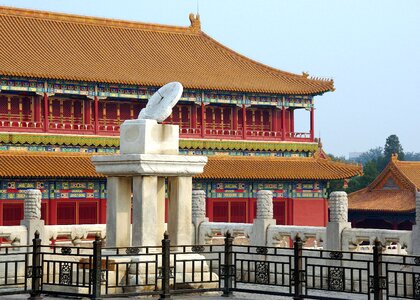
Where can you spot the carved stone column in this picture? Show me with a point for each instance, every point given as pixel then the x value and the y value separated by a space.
pixel 32 215
pixel 338 204
pixel 198 211
pixel 265 205
pixel 415 233
pixel 264 219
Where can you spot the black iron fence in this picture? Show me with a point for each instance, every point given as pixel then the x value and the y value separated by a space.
pixel 100 272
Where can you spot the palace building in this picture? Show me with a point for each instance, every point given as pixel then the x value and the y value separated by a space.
pixel 389 202
pixel 68 82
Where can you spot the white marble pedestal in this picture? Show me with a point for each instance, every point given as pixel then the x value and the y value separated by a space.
pixel 149 154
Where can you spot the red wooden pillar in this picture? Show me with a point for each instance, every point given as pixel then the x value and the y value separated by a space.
pixel 87 111
pixel 235 118
pixel 274 123
pixel 243 122
pixel 193 123
pixel 312 127
pixel 292 120
pixel 283 123
pixel 46 112
pixel 96 112
pixel 203 119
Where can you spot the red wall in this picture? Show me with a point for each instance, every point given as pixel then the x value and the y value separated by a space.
pixel 309 212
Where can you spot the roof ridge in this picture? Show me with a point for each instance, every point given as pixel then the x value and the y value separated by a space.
pixel 92 20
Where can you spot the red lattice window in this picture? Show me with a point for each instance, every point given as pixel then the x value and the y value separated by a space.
pixel 220 211
pixel 3 105
pixel 279 212
pixel 88 213
pixel 66 213
pixel 77 108
pixel 15 105
pixel 26 106
pixel 55 108
pixel 125 111
pixel 111 111
pixel 12 214
pixel 238 212
pixel 136 108
pixel 100 110
pixel 67 108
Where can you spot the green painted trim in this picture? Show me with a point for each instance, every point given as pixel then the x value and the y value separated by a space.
pixel 99 141
pixel 248 145
pixel 68 140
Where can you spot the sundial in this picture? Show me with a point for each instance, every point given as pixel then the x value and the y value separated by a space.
pixel 159 107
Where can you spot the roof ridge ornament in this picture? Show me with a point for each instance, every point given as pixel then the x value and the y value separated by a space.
pixel 195 22
pixel 394 157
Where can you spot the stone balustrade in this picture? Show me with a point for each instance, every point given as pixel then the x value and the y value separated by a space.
pixel 338 235
pixel 14 235
pixel 75 235
pixel 213 232
pixel 361 240
pixel 283 235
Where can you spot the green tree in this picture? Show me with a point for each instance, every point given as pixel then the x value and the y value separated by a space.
pixel 412 156
pixel 392 145
pixel 370 172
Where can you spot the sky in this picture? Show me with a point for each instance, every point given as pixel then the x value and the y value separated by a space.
pixel 370 48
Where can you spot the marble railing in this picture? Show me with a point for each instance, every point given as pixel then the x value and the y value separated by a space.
pixel 284 235
pixel 213 232
pixel 362 240
pixel 74 234
pixel 13 235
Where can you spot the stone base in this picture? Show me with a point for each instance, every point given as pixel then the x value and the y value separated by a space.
pixel 191 279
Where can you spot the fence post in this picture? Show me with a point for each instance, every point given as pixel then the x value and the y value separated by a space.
pixel 166 266
pixel 96 270
pixel 36 268
pixel 227 268
pixel 378 280
pixel 297 272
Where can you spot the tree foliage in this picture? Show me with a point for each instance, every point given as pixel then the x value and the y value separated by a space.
pixel 373 161
pixel 393 146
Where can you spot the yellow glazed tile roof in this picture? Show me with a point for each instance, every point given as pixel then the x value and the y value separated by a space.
pixel 20 164
pixel 276 168
pixel 69 47
pixel 383 200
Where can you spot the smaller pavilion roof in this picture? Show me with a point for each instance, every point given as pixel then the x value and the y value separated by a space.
pixel 23 164
pixel 405 175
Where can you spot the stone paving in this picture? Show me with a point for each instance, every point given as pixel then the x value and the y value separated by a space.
pixel 212 296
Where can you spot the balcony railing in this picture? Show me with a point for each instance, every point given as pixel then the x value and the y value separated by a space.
pixel 113 129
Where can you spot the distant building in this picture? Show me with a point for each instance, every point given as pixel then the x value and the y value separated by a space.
pixel 353 156
pixel 389 202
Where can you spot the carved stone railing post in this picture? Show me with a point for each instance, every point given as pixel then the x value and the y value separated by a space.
pixel 198 211
pixel 264 218
pixel 338 204
pixel 32 214
pixel 415 233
